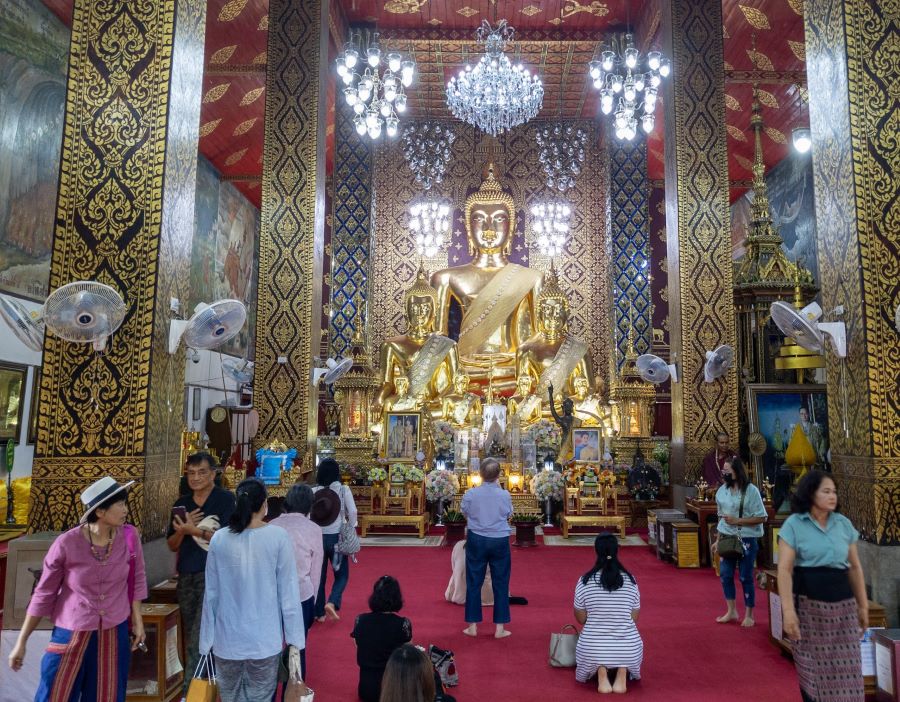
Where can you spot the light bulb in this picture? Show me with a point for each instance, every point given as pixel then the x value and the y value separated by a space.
pixel 595 69
pixel 393 61
pixel 400 102
pixel 802 139
pixel 629 93
pixel 665 68
pixel 350 57
pixel 341 67
pixel 407 69
pixel 350 95
pixel 606 103
pixel 639 82
pixel 617 83
pixel 653 59
pixel 392 123
pixel 347 78
pixel 360 125
pixel 647 123
pixel 655 80
pixel 364 93
pixel 373 55
pixel 371 118
pixel 359 108
pixel 631 57
pixel 607 60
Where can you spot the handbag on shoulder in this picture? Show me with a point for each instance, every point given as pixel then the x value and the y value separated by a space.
pixel 203 686
pixel 348 540
pixel 732 546
pixel 562 647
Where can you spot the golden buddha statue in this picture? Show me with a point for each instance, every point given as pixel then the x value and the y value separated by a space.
pixel 461 408
pixel 428 360
pixel 524 403
pixel 402 401
pixel 496 296
pixel 591 408
pixel 552 356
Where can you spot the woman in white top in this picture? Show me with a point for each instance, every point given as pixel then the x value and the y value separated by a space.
pixel 329 476
pixel 607 603
pixel 253 562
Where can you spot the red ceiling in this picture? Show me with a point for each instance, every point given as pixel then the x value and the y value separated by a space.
pixel 556 37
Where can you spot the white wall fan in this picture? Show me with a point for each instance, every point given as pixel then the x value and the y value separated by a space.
pixel 239 370
pixel 210 326
pixel 654 369
pixel 718 362
pixel 335 368
pixel 84 312
pixel 804 327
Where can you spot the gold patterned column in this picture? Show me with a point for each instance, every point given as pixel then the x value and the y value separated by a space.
pixel 119 413
pixel 288 326
pixel 852 58
pixel 698 224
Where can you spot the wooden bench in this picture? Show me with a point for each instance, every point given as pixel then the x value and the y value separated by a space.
pixel 594 520
pixel 417 521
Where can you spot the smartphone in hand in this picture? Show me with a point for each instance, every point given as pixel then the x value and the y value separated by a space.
pixel 180 512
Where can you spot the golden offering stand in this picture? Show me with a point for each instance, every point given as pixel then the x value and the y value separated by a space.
pixel 592 502
pixel 353 393
pixel 632 399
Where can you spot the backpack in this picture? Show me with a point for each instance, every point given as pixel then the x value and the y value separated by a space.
pixel 444 664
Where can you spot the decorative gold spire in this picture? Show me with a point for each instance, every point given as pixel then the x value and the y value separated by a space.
pixel 421 288
pixel 550 289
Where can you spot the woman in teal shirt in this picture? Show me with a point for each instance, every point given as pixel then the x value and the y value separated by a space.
pixel 746 524
pixel 823 593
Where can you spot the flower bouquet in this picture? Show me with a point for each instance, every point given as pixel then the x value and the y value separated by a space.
pixel 546 436
pixel 377 474
pixel 442 434
pixel 607 477
pixel 413 474
pixel 441 485
pixel 353 472
pixel 548 485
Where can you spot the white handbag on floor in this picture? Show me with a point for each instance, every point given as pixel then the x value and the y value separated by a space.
pixel 562 647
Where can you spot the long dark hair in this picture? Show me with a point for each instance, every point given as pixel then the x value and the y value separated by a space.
pixel 408 676
pixel 741 478
pixel 386 595
pixel 329 472
pixel 608 567
pixel 804 496
pixel 251 495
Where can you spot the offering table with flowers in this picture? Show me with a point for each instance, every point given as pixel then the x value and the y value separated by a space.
pixel 592 500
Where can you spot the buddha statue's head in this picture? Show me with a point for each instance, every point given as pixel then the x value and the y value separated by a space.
pixel 524 383
pixel 490 218
pixel 461 383
pixel 420 302
pixel 401 383
pixel 552 307
pixel 582 386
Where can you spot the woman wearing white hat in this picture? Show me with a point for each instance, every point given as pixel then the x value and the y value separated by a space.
pixel 92 581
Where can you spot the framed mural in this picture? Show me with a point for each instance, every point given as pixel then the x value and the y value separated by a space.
pixel 12 388
pixel 794 421
pixel 402 436
pixel 586 444
pixel 34 48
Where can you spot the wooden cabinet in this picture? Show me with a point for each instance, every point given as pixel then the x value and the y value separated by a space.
pixel 157 675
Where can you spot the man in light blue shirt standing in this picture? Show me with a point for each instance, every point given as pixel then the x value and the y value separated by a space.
pixel 488 508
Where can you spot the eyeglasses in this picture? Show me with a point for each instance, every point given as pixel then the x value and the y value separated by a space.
pixel 198 473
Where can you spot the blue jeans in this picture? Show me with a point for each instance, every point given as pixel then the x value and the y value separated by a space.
pixel 341 576
pixel 481 552
pixel 744 566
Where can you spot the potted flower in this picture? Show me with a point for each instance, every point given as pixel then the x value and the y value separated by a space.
pixel 413 474
pixel 661 456
pixel 377 475
pixel 546 436
pixel 456 526
pixel 440 486
pixel 548 485
pixel 525 525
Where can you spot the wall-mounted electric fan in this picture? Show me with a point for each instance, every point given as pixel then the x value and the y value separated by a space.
pixel 655 370
pixel 210 326
pixel 718 362
pixel 334 369
pixel 239 370
pixel 28 327
pixel 85 312
pixel 804 327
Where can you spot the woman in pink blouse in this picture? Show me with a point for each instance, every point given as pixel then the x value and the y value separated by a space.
pixel 92 581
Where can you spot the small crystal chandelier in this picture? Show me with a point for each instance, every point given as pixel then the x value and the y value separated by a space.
pixel 427 150
pixel 550 223
pixel 495 95
pixel 562 153
pixel 375 97
pixel 637 90
pixel 430 221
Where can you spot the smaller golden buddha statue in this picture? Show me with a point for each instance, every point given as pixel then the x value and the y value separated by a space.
pixel 402 401
pixel 554 356
pixel 524 403
pixel 461 408
pixel 428 360
pixel 591 408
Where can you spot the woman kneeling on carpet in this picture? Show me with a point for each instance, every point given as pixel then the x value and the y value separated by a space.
pixel 607 604
pixel 377 634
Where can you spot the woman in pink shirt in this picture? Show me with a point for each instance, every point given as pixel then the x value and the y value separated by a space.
pixel 92 581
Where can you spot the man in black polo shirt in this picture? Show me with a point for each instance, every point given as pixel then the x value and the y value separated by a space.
pixel 207 508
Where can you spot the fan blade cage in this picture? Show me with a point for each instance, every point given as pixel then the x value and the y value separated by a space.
pixel 26 329
pixel 792 324
pixel 84 311
pixel 212 326
pixel 652 368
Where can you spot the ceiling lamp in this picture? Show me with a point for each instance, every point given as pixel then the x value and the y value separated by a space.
pixel 495 95
pixel 550 223
pixel 375 96
pixel 429 220
pixel 802 138
pixel 627 90
pixel 561 155
pixel 427 150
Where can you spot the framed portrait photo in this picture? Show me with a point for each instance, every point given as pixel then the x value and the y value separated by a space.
pixel 793 419
pixel 402 436
pixel 587 445
pixel 12 390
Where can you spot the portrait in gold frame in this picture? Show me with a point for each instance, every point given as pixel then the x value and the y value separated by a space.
pixel 402 436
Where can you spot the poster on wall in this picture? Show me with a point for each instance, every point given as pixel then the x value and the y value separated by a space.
pixel 223 260
pixel 794 421
pixel 34 47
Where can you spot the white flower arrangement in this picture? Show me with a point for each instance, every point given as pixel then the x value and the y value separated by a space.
pixel 413 474
pixel 548 484
pixel 442 435
pixel 377 474
pixel 441 485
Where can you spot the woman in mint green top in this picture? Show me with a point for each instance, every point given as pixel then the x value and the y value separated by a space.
pixel 823 593
pixel 746 524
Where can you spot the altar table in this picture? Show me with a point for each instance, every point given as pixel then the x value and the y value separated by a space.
pixel 701 510
pixel 614 521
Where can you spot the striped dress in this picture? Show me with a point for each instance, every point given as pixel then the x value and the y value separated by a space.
pixel 610 637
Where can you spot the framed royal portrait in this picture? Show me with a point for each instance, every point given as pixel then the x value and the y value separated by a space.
pixel 12 390
pixel 793 419
pixel 587 446
pixel 402 436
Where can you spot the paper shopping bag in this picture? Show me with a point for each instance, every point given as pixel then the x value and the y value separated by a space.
pixel 203 686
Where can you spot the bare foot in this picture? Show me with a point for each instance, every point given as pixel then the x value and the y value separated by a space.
pixel 603 685
pixel 501 632
pixel 748 622
pixel 471 630
pixel 320 619
pixel 621 684
pixel 727 617
pixel 331 611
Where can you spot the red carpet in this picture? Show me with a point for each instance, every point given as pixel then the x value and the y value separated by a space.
pixel 687 655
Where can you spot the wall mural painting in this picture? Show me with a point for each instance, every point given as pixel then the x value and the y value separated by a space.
pixel 223 259
pixel 792 207
pixel 34 46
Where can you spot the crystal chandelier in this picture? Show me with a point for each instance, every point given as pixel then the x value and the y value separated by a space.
pixel 562 153
pixel 495 95
pixel 550 223
pixel 375 95
pixel 632 95
pixel 427 151
pixel 430 222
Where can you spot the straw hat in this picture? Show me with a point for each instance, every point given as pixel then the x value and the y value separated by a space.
pixel 99 492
